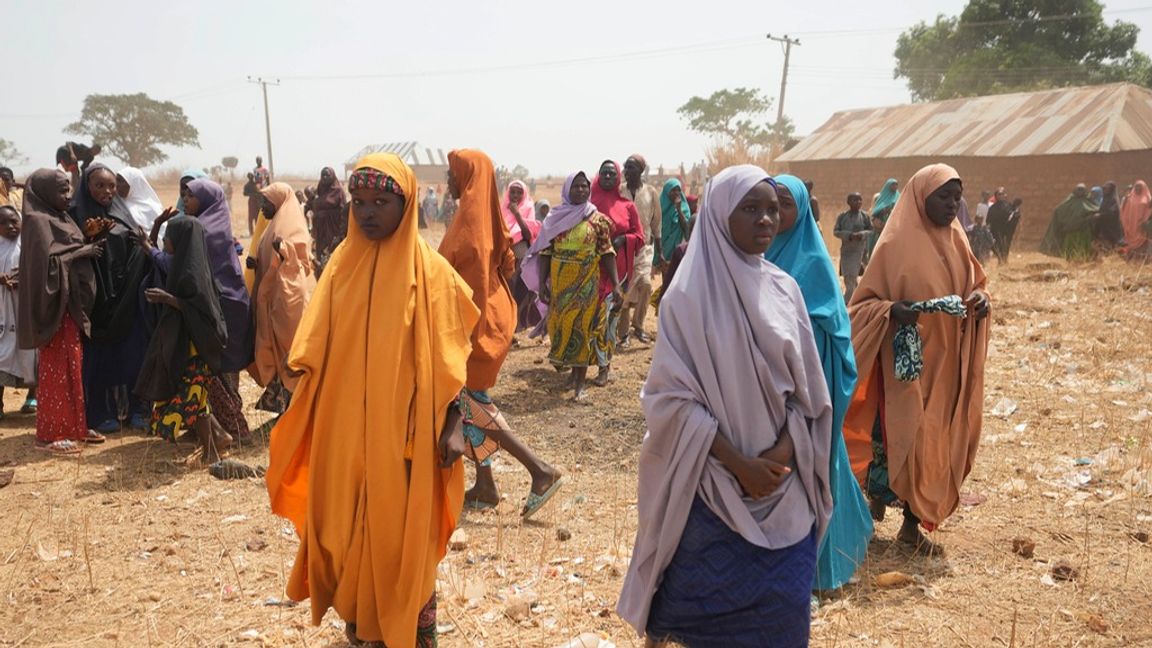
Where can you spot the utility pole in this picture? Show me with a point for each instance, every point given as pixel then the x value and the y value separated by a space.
pixel 267 123
pixel 788 43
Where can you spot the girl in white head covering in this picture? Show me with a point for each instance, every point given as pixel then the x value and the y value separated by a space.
pixel 140 202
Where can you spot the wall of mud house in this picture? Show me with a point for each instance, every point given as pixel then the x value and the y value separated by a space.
pixel 1042 181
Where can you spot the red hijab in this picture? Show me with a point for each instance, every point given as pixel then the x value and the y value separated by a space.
pixel 625 222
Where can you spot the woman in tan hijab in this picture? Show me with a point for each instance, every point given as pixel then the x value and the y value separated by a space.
pixel 284 283
pixel 913 442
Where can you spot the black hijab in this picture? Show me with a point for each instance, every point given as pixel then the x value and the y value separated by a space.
pixel 199 321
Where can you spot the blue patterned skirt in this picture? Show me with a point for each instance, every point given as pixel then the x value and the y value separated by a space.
pixel 721 590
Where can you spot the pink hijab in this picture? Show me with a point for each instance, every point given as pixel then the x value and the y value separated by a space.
pixel 1134 214
pixel 735 357
pixel 527 212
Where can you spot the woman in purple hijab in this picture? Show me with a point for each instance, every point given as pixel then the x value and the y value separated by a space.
pixel 733 478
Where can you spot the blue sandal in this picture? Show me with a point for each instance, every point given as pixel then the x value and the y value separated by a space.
pixel 535 502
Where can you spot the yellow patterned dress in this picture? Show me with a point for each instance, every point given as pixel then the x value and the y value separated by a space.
pixel 189 403
pixel 577 319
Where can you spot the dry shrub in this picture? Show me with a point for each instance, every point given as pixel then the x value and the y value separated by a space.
pixel 723 154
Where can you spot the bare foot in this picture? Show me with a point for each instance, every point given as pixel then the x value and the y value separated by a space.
pixel 604 377
pixel 478 497
pixel 543 481
pixel 877 509
pixel 911 537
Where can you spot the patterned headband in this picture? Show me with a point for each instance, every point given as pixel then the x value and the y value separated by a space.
pixel 368 178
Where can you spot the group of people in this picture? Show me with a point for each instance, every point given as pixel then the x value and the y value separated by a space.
pixel 1094 222
pixel 782 421
pixel 122 313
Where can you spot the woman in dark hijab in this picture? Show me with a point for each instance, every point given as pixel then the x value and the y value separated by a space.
pixel 115 349
pixel 187 348
pixel 57 289
pixel 1108 230
pixel 329 220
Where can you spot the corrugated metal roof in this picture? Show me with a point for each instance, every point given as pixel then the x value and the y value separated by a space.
pixel 1096 119
pixel 412 153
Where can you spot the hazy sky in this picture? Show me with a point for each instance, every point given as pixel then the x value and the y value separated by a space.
pixel 551 86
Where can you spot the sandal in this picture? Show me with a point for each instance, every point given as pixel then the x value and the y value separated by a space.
pixel 535 502
pixel 61 447
pixel 94 438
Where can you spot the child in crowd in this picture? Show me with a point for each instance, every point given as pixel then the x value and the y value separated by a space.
pixel 17 366
pixel 981 240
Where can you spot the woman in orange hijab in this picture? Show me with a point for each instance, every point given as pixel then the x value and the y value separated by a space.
pixel 477 244
pixel 915 442
pixel 365 461
pixel 1134 216
pixel 284 282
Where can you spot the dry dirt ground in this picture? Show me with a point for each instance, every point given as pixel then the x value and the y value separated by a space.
pixel 126 545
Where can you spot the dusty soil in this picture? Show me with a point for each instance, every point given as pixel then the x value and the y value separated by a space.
pixel 126 545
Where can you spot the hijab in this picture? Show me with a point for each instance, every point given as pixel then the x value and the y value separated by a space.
pixel 477 245
pixel 935 421
pixel 887 198
pixel 53 284
pixel 199 321
pixel 801 253
pixel 540 216
pixel 1070 217
pixel 191 174
pixel 284 282
pixel 670 233
pixel 383 351
pixel 84 206
pixel 524 208
pixel 14 361
pixel 216 218
pixel 142 206
pixel 1133 216
pixel 625 222
pixel 329 191
pixel 963 216
pixel 735 357
pixel 1097 195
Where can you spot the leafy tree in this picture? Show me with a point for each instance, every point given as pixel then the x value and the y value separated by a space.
pixel 9 154
pixel 132 127
pixel 999 46
pixel 230 162
pixel 735 115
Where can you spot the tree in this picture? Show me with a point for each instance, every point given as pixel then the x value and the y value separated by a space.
pixel 9 154
pixel 999 46
pixel 131 127
pixel 735 115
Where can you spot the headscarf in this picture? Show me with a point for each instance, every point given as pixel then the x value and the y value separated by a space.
pixel 84 206
pixel 932 426
pixel 670 233
pixel 889 194
pixel 354 462
pixel 540 205
pixel 639 160
pixel 526 212
pixel 329 191
pixel 199 321
pixel 735 357
pixel 1133 215
pixel 142 206
pixel 1097 195
pixel 284 284
pixel 14 361
pixel 963 216
pixel 478 247
pixel 53 284
pixel 625 222
pixel 801 253
pixel 192 174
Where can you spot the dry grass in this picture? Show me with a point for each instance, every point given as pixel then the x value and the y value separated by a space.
pixel 126 546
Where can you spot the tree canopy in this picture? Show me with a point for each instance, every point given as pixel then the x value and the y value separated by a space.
pixel 9 154
pixel 999 46
pixel 132 127
pixel 736 115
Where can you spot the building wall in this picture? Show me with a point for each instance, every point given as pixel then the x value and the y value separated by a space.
pixel 1042 181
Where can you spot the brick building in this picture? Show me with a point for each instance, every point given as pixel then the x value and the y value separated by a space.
pixel 1038 145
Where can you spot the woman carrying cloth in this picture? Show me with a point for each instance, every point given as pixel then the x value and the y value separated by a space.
pixel 283 286
pixel 365 460
pixel 915 442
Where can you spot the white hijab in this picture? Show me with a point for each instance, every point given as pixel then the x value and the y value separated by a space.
pixel 13 360
pixel 142 203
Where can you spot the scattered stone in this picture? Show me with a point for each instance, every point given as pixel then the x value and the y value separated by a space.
pixel 458 541
pixel 893 579
pixel 256 544
pixel 519 606
pixel 1024 547
pixel 1139 536
pixel 1064 572
pixel 564 535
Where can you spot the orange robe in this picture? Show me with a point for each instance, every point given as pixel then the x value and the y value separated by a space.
pixel 932 425
pixel 284 283
pixel 477 244
pixel 354 462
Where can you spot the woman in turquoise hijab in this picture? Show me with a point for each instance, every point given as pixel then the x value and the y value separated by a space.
pixel 881 208
pixel 799 250
pixel 674 219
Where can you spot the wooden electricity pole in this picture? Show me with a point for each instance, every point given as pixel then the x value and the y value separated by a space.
pixel 267 122
pixel 788 43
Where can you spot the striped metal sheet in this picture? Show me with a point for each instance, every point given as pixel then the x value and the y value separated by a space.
pixel 412 153
pixel 1096 119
